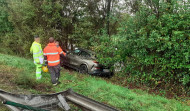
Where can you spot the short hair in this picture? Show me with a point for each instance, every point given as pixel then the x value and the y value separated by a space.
pixel 51 40
pixel 36 36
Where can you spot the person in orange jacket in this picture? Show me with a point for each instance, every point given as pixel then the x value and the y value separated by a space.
pixel 57 45
pixel 52 54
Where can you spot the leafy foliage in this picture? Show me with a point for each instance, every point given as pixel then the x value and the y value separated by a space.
pixel 149 39
pixel 153 47
pixel 6 25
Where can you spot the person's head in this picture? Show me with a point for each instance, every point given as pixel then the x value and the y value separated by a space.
pixel 57 43
pixel 37 38
pixel 51 40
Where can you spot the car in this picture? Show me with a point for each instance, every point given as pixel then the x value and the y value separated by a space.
pixel 84 61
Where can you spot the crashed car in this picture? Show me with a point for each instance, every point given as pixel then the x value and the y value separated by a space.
pixel 84 61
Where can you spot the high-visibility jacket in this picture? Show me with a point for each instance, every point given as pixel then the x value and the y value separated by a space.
pixel 62 52
pixel 37 52
pixel 53 54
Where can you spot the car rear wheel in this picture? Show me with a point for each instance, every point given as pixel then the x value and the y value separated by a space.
pixel 83 69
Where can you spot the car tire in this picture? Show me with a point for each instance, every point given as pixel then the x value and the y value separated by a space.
pixel 83 69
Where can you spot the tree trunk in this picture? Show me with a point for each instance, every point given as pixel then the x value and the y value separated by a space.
pixel 108 14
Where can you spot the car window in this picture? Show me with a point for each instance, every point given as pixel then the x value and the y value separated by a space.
pixel 84 54
pixel 76 52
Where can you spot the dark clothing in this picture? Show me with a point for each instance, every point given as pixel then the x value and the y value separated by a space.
pixel 55 73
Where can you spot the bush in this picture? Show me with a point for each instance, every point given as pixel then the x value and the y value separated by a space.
pixel 152 47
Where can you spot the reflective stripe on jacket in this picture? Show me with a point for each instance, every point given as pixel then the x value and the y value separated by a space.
pixel 53 54
pixel 61 51
pixel 37 52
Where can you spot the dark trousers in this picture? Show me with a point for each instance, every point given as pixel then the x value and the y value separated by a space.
pixel 55 73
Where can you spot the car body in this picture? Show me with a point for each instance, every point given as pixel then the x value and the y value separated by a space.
pixel 84 61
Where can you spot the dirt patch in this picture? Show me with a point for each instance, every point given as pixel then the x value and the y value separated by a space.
pixel 7 75
pixel 43 88
pixel 7 84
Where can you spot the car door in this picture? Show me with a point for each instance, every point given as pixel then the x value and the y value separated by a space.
pixel 74 58
pixel 84 56
pixel 66 59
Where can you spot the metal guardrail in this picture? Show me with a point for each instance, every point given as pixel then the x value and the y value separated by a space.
pixel 87 102
pixel 43 101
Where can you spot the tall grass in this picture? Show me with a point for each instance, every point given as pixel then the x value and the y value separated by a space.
pixel 120 97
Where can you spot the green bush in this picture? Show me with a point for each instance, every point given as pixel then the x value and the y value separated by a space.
pixel 152 47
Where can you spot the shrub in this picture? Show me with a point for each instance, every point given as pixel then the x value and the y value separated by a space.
pixel 152 47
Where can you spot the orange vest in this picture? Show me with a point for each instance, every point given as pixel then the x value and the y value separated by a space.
pixel 53 54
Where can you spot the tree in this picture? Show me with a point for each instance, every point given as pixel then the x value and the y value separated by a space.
pixel 6 26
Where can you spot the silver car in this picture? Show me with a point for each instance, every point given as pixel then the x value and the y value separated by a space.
pixel 84 61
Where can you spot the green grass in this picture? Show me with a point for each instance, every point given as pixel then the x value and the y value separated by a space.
pixel 3 108
pixel 96 88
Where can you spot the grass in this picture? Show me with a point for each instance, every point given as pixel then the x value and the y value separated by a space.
pixel 23 75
